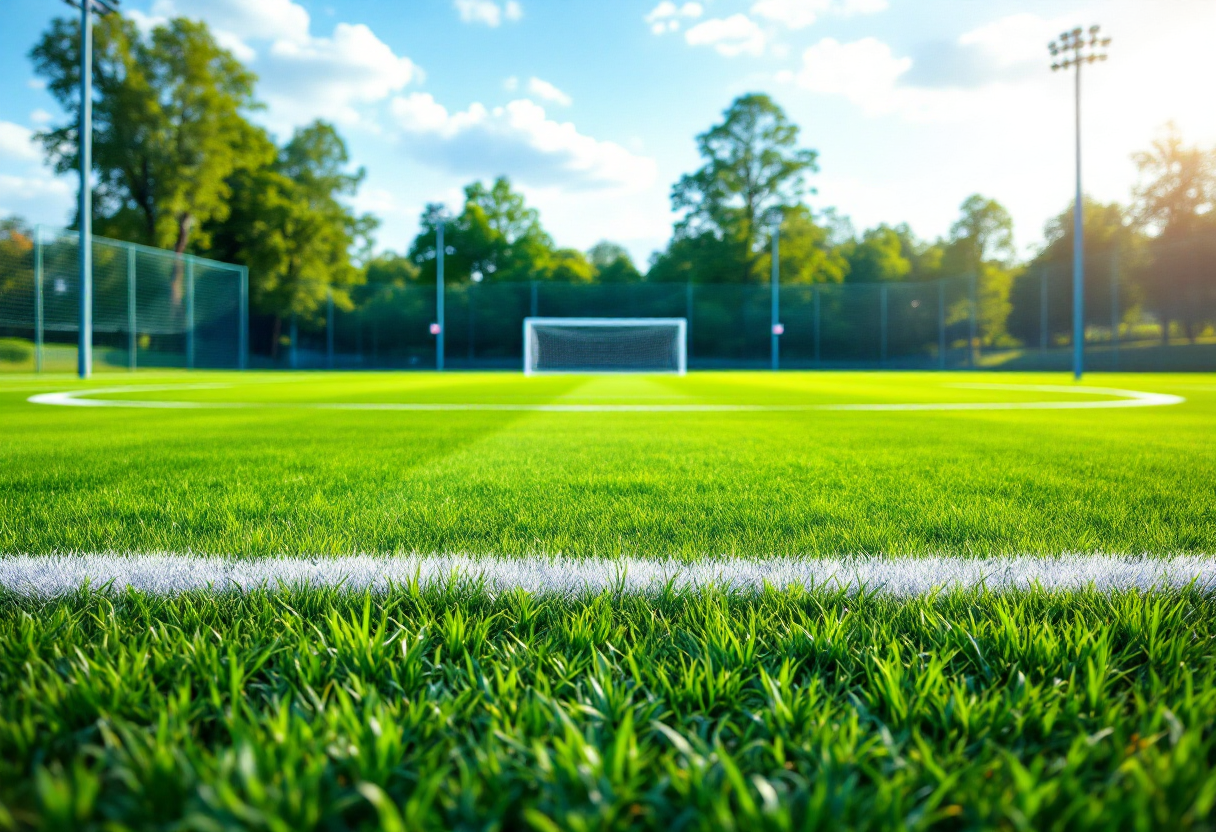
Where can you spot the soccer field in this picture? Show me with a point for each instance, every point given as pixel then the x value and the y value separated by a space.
pixel 795 600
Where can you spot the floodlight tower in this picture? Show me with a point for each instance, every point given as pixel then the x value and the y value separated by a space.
pixel 84 350
pixel 1069 52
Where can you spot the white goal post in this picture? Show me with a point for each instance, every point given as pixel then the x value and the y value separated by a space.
pixel 605 345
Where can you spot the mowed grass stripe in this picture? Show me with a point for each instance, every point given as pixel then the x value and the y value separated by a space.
pixel 51 575
pixel 281 481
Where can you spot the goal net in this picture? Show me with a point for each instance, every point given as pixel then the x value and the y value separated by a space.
pixel 605 345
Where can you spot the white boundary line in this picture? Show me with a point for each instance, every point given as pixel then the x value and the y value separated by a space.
pixel 50 575
pixel 1122 399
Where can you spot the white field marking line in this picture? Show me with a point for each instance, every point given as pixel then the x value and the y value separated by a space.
pixel 165 574
pixel 1127 398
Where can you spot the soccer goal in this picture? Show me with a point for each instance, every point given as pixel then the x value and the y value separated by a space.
pixel 605 345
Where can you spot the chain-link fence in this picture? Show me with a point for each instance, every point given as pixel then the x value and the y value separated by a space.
pixel 151 308
pixel 1152 310
pixel 1155 310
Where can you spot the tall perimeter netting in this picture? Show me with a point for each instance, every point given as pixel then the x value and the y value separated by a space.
pixel 605 345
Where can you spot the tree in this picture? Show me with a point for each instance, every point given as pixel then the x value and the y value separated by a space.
pixel 168 125
pixel 612 263
pixel 807 255
pixel 753 169
pixel 288 222
pixel 1176 205
pixel 877 257
pixel 1111 246
pixel 981 245
pixel 496 233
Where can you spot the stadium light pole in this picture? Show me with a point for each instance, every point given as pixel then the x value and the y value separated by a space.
pixel 776 328
pixel 439 322
pixel 84 348
pixel 1069 52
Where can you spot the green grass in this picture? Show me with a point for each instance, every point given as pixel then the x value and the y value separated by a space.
pixel 449 709
pixel 282 480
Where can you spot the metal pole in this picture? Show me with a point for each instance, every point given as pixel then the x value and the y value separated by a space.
pixel 535 304
pixel 1078 258
pixel 243 335
pixel 132 338
pixel 816 296
pixel 1114 308
pixel 1043 322
pixel 472 318
pixel 941 323
pixel 294 338
pixel 329 327
pixel 439 295
pixel 882 305
pixel 189 313
pixel 776 298
pixel 84 349
pixel 971 330
pixel 38 315
pixel 688 318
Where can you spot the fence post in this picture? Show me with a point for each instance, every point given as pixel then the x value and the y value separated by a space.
pixel 972 326
pixel 1043 309
pixel 1114 308
pixel 941 323
pixel 243 314
pixel 294 337
pixel 440 251
pixel 189 313
pixel 132 338
pixel 535 305
pixel 329 326
pixel 688 318
pixel 816 322
pixel 38 299
pixel 472 296
pixel 882 334
pixel 776 300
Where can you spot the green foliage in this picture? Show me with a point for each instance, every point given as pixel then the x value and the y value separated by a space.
pixel 448 707
pixel 290 225
pixel 613 264
pixel 16 350
pixel 878 257
pixel 753 169
pixel 1176 203
pixel 807 255
pixel 981 245
pixel 168 125
pixel 496 234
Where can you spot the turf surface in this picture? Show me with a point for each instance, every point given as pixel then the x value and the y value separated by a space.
pixel 449 705
pixel 283 480
pixel 450 709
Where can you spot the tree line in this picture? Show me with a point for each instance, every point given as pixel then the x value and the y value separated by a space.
pixel 180 165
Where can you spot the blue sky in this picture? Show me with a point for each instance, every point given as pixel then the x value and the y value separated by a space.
pixel 591 106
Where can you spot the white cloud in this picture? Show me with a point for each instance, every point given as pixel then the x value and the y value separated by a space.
pixel 488 12
pixel 519 140
pixel 302 76
pixel 36 84
pixel 865 71
pixel 735 35
pixel 261 20
pixel 798 14
pixel 40 197
pixel 329 76
pixel 40 116
pixel 1019 38
pixel 17 143
pixel 548 92
pixel 666 16
pixel 511 84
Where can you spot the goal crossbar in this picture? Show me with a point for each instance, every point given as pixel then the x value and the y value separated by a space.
pixel 605 345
